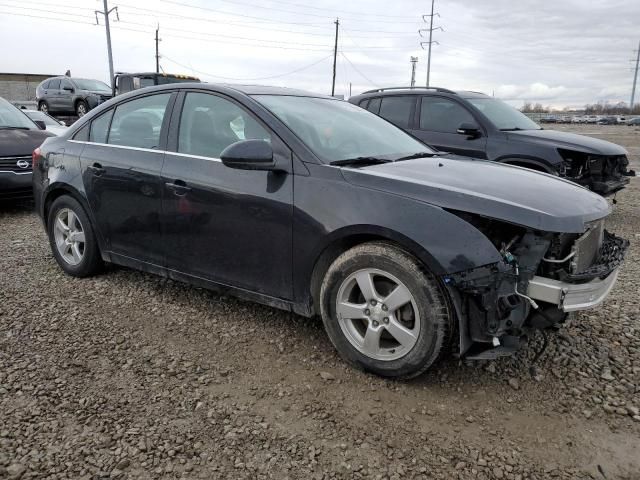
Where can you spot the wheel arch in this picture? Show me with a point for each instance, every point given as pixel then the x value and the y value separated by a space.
pixel 345 238
pixel 57 190
pixel 531 163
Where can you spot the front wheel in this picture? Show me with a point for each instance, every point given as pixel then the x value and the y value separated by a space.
pixel 43 107
pixel 73 242
pixel 384 312
pixel 82 108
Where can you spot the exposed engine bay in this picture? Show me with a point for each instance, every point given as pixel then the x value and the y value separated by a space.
pixel 542 277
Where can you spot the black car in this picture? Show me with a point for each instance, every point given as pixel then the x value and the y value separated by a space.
pixel 313 205
pixel 126 82
pixel 19 136
pixel 476 125
pixel 66 95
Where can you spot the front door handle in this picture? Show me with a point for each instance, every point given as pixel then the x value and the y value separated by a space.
pixel 97 169
pixel 178 187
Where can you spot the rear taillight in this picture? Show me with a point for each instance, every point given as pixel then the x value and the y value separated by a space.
pixel 36 156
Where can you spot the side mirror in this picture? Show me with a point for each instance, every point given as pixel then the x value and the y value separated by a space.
pixel 469 129
pixel 249 155
pixel 68 89
pixel 41 125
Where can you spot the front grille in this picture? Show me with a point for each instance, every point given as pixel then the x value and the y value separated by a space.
pixel 610 256
pixel 586 247
pixel 11 164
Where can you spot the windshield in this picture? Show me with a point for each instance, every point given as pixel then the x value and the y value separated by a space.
pixel 503 116
pixel 336 130
pixel 36 115
pixel 92 85
pixel 11 117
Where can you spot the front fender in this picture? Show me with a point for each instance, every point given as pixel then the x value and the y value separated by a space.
pixel 324 213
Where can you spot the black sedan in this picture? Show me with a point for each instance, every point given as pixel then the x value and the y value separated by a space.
pixel 316 206
pixel 19 136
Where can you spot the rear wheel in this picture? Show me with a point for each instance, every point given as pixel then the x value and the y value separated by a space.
pixel 43 107
pixel 384 312
pixel 72 238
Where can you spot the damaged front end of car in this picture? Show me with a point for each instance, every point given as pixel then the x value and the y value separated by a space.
pixel 541 278
pixel 603 174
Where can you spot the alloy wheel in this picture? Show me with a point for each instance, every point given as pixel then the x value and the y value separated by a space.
pixel 378 314
pixel 69 236
pixel 82 109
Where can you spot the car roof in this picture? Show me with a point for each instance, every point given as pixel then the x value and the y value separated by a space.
pixel 420 91
pixel 245 89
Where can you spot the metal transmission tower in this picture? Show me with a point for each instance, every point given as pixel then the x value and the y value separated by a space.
pixel 106 13
pixel 431 41
pixel 414 60
pixel 157 53
pixel 635 80
pixel 335 55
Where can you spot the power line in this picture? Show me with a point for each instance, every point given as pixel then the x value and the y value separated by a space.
pixel 254 78
pixel 268 8
pixel 359 72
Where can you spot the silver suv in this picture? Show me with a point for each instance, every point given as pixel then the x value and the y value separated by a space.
pixel 71 95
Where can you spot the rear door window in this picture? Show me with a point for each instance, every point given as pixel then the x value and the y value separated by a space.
pixel 46 84
pixel 54 84
pixel 397 109
pixel 439 114
pixel 65 84
pixel 138 123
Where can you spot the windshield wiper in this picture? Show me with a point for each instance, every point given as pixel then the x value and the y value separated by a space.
pixel 513 129
pixel 7 127
pixel 420 155
pixel 360 161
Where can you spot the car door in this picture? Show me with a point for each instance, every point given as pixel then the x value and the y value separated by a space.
pixel 65 96
pixel 121 166
pixel 437 123
pixel 52 94
pixel 225 225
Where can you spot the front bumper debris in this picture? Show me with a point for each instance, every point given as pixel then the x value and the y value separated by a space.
pixel 571 297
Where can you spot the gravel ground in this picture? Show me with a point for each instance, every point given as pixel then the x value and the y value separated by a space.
pixel 128 375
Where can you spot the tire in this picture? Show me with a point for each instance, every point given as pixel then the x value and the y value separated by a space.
pixel 43 107
pixel 78 255
pixel 424 314
pixel 81 108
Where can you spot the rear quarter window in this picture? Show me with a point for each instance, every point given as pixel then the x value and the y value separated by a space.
pixel 100 128
pixel 82 135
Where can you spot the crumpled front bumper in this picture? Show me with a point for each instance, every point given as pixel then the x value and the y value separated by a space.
pixel 571 297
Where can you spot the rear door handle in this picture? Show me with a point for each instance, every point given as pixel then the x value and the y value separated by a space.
pixel 97 169
pixel 178 187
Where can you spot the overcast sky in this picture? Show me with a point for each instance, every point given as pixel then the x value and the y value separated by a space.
pixel 560 53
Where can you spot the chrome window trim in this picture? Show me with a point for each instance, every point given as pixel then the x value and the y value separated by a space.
pixel 188 155
pixel 200 157
pixel 126 147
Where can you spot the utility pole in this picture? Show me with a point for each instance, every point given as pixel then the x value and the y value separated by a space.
pixel 414 60
pixel 106 13
pixel 635 80
pixel 431 40
pixel 335 56
pixel 157 54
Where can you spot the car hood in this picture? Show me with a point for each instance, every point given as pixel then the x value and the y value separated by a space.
pixel 570 141
pixel 513 194
pixel 16 143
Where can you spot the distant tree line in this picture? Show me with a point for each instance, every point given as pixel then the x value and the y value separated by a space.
pixel 600 108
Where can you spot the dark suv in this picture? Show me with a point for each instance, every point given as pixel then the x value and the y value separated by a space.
pixel 65 95
pixel 476 125
pixel 313 205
